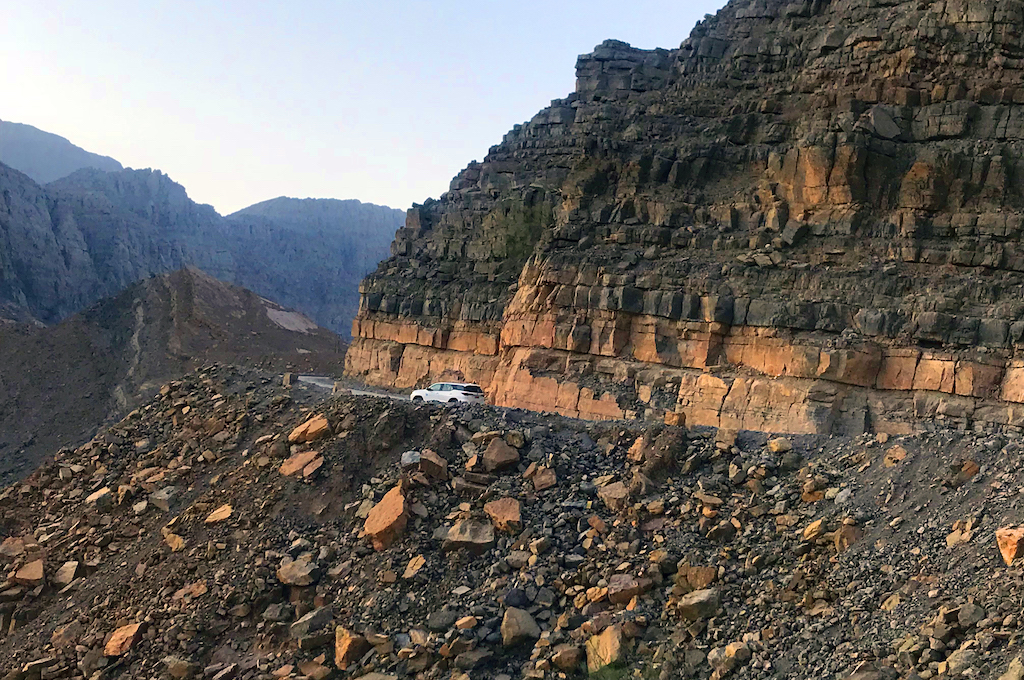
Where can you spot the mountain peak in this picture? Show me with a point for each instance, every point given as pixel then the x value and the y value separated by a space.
pixel 44 156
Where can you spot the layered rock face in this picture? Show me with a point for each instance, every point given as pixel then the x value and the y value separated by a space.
pixel 92 234
pixel 805 219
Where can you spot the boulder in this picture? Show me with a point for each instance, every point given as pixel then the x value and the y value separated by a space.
pixel 500 456
pixel 299 573
pixel 605 649
pixel 518 626
pixel 699 604
pixel 311 430
pixel 615 496
pixel 1011 543
pixel 348 647
pixel 471 535
pixel 30 574
pixel 505 514
pixel 387 519
pixel 123 639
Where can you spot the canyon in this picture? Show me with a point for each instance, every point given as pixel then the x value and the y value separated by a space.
pixel 805 219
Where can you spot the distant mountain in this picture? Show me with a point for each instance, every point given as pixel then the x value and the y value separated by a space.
pixel 91 234
pixel 44 156
pixel 59 384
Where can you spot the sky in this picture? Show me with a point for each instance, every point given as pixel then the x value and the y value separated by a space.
pixel 243 101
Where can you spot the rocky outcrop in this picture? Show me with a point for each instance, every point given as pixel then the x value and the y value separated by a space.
pixel 803 220
pixel 44 156
pixel 92 234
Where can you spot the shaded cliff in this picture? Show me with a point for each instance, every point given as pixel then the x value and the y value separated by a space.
pixel 59 384
pixel 91 234
pixel 44 156
pixel 803 219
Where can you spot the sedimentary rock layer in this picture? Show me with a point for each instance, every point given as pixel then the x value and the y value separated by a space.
pixel 804 219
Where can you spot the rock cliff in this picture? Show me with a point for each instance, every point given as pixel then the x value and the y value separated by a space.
pixel 806 219
pixel 92 234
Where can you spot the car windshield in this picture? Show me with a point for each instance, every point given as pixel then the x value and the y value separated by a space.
pixel 471 389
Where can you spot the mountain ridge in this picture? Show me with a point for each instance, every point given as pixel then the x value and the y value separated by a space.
pixel 44 156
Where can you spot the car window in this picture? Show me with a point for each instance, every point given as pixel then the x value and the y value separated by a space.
pixel 436 387
pixel 472 389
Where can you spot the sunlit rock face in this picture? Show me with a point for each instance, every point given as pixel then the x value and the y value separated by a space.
pixel 804 219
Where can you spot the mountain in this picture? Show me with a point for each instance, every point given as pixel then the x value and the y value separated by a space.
pixel 44 156
pixel 91 234
pixel 804 219
pixel 59 384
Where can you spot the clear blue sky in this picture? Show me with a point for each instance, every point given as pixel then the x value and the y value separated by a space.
pixel 244 101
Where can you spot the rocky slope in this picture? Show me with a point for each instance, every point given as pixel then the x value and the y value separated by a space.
pixel 59 384
pixel 233 529
pixel 92 234
pixel 804 219
pixel 44 156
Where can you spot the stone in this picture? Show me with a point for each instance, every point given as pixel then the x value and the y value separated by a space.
pixel 348 647
pixel 1015 671
pixel 615 496
pixel 298 463
pixel 622 588
pixel 67 573
pixel 504 514
pixel 567 657
pixel 518 626
pixel 700 604
pixel 298 573
pixel 162 499
pixel 219 515
pixel 178 668
pixel 780 445
pixel 311 430
pixel 12 548
pixel 311 623
pixel 31 574
pixel 387 519
pixel 545 478
pixel 814 530
pixel 605 649
pixel 728 658
pixel 433 465
pixel 470 535
pixel 102 498
pixel 122 640
pixel 499 456
pixel 1011 543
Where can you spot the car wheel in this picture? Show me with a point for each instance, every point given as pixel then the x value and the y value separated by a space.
pixel 417 398
pixel 453 401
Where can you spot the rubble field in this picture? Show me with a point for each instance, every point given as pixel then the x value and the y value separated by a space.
pixel 235 529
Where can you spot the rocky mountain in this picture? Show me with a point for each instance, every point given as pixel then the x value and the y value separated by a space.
pixel 231 529
pixel 59 384
pixel 44 156
pixel 804 219
pixel 93 233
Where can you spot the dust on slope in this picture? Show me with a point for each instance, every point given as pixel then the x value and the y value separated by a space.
pixel 59 384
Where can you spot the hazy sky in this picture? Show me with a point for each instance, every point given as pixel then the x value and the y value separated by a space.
pixel 245 101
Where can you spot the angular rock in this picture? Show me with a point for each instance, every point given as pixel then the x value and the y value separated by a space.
pixel 349 647
pixel 605 649
pixel 387 519
pixel 311 623
pixel 298 573
pixel 311 430
pixel 505 514
pixel 30 575
pixel 123 639
pixel 615 496
pixel 700 604
pixel 1011 543
pixel 518 626
pixel 499 456
pixel 471 535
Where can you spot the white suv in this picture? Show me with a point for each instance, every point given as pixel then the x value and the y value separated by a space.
pixel 451 393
